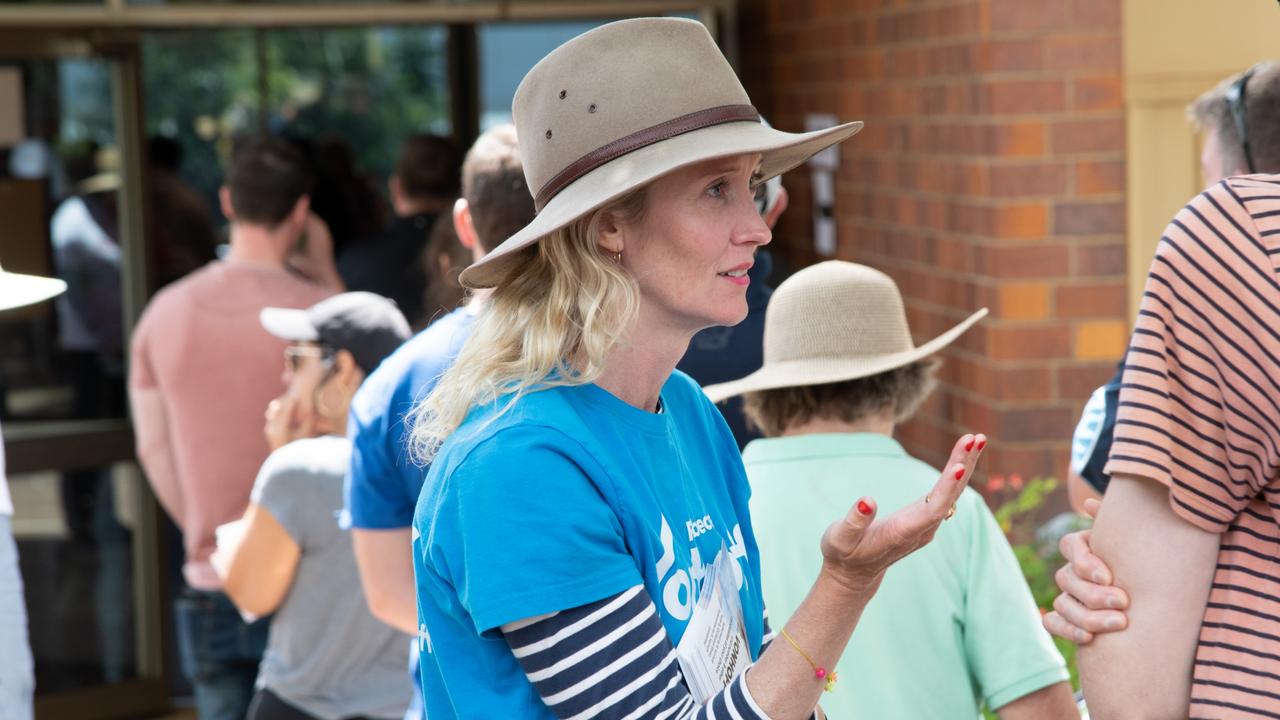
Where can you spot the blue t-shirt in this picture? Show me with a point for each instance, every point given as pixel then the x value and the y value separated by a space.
pixel 383 481
pixel 570 497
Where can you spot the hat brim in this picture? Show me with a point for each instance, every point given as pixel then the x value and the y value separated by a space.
pixel 289 324
pixel 782 151
pixel 18 290
pixel 820 371
pixel 102 182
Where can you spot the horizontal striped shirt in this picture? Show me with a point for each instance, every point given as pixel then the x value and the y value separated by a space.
pixel 612 660
pixel 1200 413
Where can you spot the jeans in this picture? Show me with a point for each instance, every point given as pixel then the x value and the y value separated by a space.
pixel 17 675
pixel 219 653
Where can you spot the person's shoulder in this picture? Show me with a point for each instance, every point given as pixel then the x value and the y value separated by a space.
pixel 326 455
pixel 437 343
pixel 516 453
pixel 682 389
pixel 1259 195
pixel 1253 187
pixel 543 420
pixel 413 368
pixel 306 292
pixel 177 296
pixel 1228 209
pixel 1216 241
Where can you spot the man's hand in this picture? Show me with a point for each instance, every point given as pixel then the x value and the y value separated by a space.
pixel 1088 603
pixel 315 260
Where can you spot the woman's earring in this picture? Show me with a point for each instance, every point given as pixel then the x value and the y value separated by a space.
pixel 321 406
pixel 617 257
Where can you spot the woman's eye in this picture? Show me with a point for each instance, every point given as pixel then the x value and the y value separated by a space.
pixel 717 190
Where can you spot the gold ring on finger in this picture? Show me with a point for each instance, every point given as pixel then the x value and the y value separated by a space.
pixel 950 512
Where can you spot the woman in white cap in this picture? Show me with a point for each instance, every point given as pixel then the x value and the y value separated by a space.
pixel 327 656
pixel 954 626
pixel 582 544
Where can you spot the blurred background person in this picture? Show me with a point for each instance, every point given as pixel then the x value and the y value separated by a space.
pixel 343 195
pixel 202 370
pixel 383 481
pixel 87 255
pixel 178 220
pixel 423 188
pixel 953 626
pixel 442 261
pixel 327 656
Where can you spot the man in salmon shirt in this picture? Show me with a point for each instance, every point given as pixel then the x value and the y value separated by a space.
pixel 202 373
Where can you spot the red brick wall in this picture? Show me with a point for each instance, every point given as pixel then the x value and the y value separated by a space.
pixel 990 173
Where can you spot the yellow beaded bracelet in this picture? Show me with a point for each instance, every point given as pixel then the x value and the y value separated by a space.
pixel 819 672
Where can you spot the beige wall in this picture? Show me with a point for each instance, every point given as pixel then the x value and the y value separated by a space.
pixel 1173 51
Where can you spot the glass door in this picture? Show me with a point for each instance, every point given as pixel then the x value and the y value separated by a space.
pixel 84 524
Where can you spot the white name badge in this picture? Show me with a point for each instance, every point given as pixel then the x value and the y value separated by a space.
pixel 713 650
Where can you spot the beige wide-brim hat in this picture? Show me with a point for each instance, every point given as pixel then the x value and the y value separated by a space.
pixel 622 105
pixel 832 322
pixel 17 290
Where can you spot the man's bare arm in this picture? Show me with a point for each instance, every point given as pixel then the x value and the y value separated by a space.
pixel 155 453
pixel 1166 566
pixel 385 558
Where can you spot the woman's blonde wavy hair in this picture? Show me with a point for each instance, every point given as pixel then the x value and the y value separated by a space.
pixel 549 323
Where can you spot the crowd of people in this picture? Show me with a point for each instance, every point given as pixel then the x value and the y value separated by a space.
pixel 623 478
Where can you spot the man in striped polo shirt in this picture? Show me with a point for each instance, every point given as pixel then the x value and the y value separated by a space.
pixel 1198 550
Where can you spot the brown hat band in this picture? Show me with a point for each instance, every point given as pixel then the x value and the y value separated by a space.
pixel 642 138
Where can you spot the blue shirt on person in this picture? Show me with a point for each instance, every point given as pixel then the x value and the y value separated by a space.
pixel 569 497
pixel 383 482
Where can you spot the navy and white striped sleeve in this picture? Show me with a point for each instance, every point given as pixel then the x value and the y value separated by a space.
pixel 612 660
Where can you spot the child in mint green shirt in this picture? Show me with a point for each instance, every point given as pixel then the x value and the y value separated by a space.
pixel 953 627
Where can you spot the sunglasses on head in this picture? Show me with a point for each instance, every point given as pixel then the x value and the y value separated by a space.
pixel 1236 103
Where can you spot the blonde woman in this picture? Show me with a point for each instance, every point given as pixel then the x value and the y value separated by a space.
pixel 582 544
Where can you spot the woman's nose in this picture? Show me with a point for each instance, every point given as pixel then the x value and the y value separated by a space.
pixel 752 229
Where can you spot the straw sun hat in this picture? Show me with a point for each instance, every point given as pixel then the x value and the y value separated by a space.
pixel 620 106
pixel 832 322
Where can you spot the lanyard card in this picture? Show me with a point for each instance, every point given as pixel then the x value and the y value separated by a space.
pixel 713 650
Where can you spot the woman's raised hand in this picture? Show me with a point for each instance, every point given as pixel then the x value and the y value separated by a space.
pixel 856 550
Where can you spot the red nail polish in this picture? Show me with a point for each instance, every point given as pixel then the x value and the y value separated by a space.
pixel 982 443
pixel 959 473
pixel 968 447
pixel 863 507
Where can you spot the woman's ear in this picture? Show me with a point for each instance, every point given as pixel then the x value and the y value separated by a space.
pixel 610 234
pixel 346 371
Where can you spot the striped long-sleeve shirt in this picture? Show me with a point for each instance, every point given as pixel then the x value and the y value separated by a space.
pixel 1200 413
pixel 612 660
